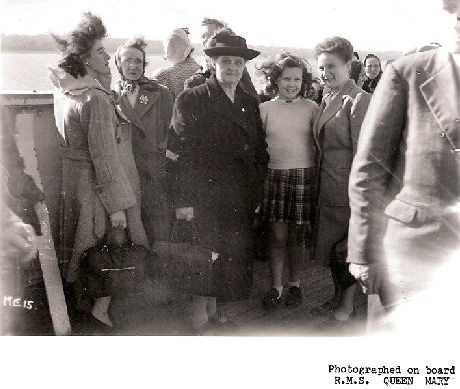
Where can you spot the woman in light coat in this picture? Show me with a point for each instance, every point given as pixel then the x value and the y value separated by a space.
pixel 336 133
pixel 100 189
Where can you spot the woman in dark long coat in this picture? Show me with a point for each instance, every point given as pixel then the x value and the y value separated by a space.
pixel 224 161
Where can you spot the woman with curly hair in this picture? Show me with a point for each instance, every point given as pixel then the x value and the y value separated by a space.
pixel 288 120
pixel 100 189
pixel 336 133
pixel 148 107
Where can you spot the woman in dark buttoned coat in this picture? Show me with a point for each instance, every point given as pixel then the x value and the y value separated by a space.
pixel 148 107
pixel 100 186
pixel 224 161
pixel 336 133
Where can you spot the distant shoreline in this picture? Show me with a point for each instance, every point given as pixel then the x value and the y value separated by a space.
pixel 36 44
pixel 27 52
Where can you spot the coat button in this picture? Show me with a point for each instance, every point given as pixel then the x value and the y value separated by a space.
pixel 443 134
pixel 246 147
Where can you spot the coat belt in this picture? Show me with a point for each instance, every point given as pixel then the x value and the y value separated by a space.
pixel 75 154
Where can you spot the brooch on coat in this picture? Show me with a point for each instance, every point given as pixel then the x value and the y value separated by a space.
pixel 143 99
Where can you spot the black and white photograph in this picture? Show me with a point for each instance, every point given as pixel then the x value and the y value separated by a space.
pixel 229 194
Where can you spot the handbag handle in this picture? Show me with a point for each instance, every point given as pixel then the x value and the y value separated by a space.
pixel 174 232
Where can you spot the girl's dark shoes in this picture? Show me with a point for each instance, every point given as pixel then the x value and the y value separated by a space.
pixel 271 300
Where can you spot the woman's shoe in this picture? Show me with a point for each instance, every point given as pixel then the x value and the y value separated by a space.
pixel 343 317
pixel 271 300
pixel 293 297
pixel 217 324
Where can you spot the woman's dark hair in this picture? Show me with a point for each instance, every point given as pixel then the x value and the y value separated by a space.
pixel 335 45
pixel 76 45
pixel 272 69
pixel 138 43
pixel 213 22
pixel 372 56
pixel 355 70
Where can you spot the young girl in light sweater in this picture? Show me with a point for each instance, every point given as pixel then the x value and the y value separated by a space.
pixel 288 121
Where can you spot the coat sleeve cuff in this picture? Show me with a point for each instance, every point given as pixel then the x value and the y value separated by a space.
pixel 115 197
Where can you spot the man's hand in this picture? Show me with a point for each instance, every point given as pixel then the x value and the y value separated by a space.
pixel 370 277
pixel 185 213
pixel 18 240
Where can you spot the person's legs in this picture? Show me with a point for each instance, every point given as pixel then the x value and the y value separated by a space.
pixel 277 253
pixel 101 308
pixel 296 251
pixel 344 280
pixel 278 249
pixel 345 307
pixel 199 311
pixel 332 226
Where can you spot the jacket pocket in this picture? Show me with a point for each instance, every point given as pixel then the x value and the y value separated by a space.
pixel 401 211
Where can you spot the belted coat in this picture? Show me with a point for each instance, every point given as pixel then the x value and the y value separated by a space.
pixel 99 173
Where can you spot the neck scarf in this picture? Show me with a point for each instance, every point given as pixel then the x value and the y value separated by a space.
pixel 125 86
pixel 370 84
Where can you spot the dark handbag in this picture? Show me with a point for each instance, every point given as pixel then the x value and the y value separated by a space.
pixel 186 264
pixel 115 269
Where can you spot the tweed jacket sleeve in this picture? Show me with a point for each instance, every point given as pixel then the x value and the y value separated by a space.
pixel 357 115
pixel 112 185
pixel 378 146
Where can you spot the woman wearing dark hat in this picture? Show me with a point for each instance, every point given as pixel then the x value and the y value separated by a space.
pixel 100 186
pixel 224 161
pixel 148 107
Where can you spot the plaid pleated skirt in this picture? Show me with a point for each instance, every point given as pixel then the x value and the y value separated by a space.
pixel 289 195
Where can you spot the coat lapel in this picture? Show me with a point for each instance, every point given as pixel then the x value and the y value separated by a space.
pixel 329 112
pixel 441 93
pixel 223 107
pixel 316 128
pixel 130 112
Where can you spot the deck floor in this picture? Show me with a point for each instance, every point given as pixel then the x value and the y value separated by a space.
pixel 252 320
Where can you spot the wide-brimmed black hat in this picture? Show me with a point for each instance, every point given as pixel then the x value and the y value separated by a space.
pixel 224 44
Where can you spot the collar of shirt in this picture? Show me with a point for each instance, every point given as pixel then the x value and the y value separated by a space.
pixel 286 101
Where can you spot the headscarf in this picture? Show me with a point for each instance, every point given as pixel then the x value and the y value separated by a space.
pixel 124 85
pixel 177 46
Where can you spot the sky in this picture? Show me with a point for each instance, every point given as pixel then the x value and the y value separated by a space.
pixel 377 25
